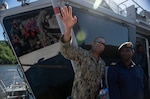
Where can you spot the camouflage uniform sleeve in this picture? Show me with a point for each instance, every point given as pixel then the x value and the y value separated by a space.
pixel 103 75
pixel 71 52
pixel 103 68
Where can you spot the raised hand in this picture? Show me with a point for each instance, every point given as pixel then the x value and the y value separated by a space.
pixel 67 18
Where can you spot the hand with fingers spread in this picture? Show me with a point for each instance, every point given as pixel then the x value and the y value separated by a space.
pixel 68 20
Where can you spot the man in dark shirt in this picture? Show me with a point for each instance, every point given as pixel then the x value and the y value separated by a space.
pixel 126 79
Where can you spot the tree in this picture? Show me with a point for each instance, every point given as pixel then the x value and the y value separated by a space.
pixel 6 54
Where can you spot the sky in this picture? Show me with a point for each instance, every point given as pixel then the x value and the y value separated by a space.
pixel 143 3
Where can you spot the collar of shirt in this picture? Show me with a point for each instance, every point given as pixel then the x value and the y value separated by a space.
pixel 96 61
pixel 132 64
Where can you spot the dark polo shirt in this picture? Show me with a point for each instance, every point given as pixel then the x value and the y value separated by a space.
pixel 124 83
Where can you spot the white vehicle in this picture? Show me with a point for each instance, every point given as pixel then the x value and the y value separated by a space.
pixel 34 29
pixel 12 84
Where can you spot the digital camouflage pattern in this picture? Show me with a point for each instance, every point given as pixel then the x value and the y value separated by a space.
pixel 88 70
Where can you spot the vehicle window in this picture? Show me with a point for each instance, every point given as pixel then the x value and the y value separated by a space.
pixel 34 37
pixel 90 26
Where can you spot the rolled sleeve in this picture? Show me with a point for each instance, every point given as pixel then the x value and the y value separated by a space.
pixel 69 51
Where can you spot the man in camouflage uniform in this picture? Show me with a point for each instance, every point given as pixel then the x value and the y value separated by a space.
pixel 89 65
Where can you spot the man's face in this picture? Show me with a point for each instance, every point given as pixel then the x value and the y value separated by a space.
pixel 98 45
pixel 126 53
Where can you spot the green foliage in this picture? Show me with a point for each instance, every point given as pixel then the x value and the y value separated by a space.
pixel 6 54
